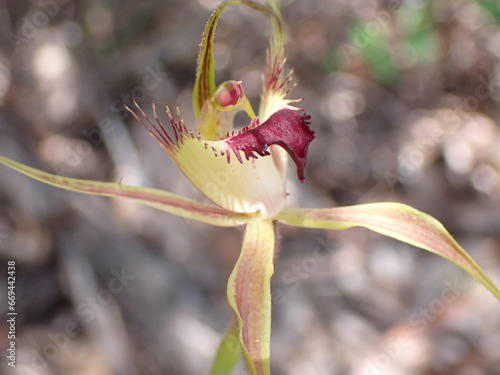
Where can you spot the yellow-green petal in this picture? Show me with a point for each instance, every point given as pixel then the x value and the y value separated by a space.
pixel 242 173
pixel 250 186
pixel 159 199
pixel 249 294
pixel 395 220
pixel 277 82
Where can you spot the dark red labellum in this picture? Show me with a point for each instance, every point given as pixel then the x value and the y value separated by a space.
pixel 285 128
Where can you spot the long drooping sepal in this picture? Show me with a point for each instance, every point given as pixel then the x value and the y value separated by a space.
pixel 395 220
pixel 229 352
pixel 204 85
pixel 249 294
pixel 159 199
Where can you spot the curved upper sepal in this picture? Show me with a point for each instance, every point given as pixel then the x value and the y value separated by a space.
pixel 204 85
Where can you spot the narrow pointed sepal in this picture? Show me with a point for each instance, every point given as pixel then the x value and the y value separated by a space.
pixel 395 220
pixel 205 78
pixel 249 294
pixel 159 199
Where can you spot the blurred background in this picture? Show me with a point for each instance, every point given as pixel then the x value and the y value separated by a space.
pixel 405 101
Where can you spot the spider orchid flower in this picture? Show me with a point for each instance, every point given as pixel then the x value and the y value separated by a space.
pixel 254 158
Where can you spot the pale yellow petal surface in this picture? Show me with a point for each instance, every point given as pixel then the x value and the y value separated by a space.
pixel 248 187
